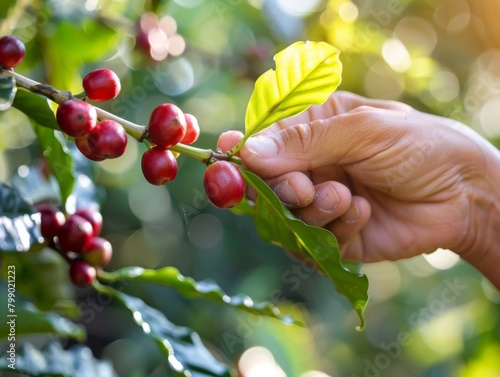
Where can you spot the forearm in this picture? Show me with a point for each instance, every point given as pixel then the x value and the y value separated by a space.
pixel 483 249
pixel 486 258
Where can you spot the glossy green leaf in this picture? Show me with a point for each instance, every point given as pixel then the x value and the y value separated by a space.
pixel 185 353
pixel 42 278
pixel 37 108
pixel 276 224
pixel 58 156
pixel 7 92
pixel 52 142
pixel 306 74
pixel 54 361
pixel 187 286
pixel 32 184
pixel 85 192
pixel 26 319
pixel 19 226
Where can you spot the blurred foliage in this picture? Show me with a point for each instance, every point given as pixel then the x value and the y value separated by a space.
pixel 427 316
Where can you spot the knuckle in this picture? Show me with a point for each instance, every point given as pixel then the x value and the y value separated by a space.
pixel 301 136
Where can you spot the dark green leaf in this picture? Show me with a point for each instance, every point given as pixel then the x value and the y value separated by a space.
pixel 7 92
pixel 183 348
pixel 187 286
pixel 42 278
pixel 32 184
pixel 36 108
pixel 19 226
pixel 34 187
pixel 57 154
pixel 276 224
pixel 85 192
pixel 27 319
pixel 54 361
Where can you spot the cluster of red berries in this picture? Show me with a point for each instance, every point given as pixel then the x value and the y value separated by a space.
pixel 157 37
pixel 76 237
pixel 168 125
pixel 97 141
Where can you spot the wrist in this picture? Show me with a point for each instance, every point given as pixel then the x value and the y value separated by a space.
pixel 481 248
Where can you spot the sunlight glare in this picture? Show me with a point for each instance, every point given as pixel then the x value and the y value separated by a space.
pixel 258 362
pixel 442 259
pixel 396 55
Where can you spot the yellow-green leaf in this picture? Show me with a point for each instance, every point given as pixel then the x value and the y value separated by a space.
pixel 306 74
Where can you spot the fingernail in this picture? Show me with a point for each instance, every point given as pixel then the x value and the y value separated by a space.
pixel 352 214
pixel 326 199
pixel 262 146
pixel 286 194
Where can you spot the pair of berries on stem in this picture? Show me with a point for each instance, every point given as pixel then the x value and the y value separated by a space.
pixel 77 239
pixel 77 118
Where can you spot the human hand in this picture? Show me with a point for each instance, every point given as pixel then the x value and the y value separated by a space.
pixel 389 181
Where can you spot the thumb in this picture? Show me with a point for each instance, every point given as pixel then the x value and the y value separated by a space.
pixel 342 139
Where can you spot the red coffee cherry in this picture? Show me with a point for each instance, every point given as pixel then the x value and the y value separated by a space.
pixel 159 166
pixel 167 125
pixel 82 274
pixel 75 234
pixel 82 143
pixel 98 252
pixel 224 185
pixel 108 139
pixel 101 85
pixel 192 129
pixel 52 220
pixel 93 216
pixel 76 118
pixel 12 51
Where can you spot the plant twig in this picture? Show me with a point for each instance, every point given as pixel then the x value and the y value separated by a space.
pixel 136 131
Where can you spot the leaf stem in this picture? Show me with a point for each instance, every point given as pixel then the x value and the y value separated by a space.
pixel 204 155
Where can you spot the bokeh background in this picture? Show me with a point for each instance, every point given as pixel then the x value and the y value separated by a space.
pixel 430 316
